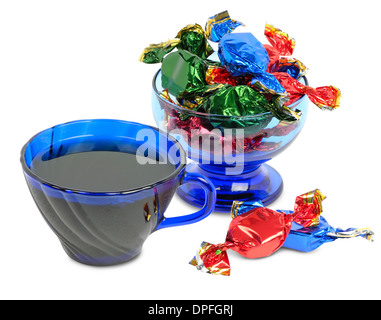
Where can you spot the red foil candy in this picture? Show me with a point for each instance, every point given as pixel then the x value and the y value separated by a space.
pixel 280 40
pixel 274 58
pixel 193 127
pixel 221 75
pixel 327 97
pixel 258 233
pixel 282 45
pixel 306 206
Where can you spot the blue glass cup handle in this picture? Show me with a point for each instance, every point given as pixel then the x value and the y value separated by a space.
pixel 210 202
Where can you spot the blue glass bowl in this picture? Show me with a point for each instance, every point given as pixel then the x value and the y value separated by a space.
pixel 230 151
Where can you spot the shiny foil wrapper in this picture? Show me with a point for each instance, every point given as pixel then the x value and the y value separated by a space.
pixel 293 67
pixel 308 235
pixel 280 40
pixel 183 72
pixel 308 239
pixel 327 97
pixel 155 53
pixel 239 99
pixel 216 74
pixel 242 54
pixel 265 77
pixel 193 39
pixel 219 25
pixel 308 205
pixel 220 265
pixel 280 49
pixel 256 231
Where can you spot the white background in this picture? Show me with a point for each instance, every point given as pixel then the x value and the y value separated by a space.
pixel 69 60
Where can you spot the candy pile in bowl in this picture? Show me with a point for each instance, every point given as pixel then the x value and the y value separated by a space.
pixel 246 86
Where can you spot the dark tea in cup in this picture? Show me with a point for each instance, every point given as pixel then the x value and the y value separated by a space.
pixel 100 193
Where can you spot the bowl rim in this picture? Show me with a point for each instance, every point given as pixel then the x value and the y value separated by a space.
pixel 174 174
pixel 219 116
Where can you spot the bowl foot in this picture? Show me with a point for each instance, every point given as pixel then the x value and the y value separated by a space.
pixel 264 184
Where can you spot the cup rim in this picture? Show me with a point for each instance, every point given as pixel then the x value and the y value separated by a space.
pixel 175 173
pixel 219 116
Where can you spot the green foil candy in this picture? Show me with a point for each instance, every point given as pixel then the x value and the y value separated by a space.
pixel 155 53
pixel 236 101
pixel 193 39
pixel 283 113
pixel 242 100
pixel 183 73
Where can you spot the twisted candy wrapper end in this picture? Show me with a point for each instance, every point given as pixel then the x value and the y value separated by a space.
pixel 308 208
pixel 280 40
pixel 219 25
pixel 155 53
pixel 239 207
pixel 327 97
pixel 365 233
pixel 216 259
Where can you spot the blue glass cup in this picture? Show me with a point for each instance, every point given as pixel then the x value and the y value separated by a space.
pixel 107 228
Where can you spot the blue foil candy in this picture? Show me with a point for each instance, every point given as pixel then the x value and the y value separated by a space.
pixel 219 25
pixel 292 70
pixel 309 239
pixel 266 82
pixel 243 54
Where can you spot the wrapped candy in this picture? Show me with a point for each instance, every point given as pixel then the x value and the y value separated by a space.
pixel 219 25
pixel 224 100
pixel 216 74
pixel 193 39
pixel 282 46
pixel 256 231
pixel 327 97
pixel 236 101
pixel 265 75
pixel 196 98
pixel 183 72
pixel 192 127
pixel 304 238
pixel 242 54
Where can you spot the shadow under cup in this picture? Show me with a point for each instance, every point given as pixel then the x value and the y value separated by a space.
pixel 106 228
